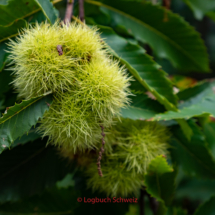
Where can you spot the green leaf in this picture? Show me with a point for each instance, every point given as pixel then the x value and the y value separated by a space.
pixel 52 202
pixel 193 155
pixel 20 118
pixel 204 107
pixel 3 55
pixel 195 101
pixel 60 201
pixel 3 2
pixel 9 99
pixel 47 7
pixel 160 182
pixel 141 66
pixel 198 91
pixel 31 136
pixel 185 128
pixel 5 80
pixel 207 208
pixel 211 15
pixel 183 46
pixel 195 189
pixel 10 22
pixel 66 182
pixel 11 30
pixel 209 132
pixel 182 82
pixel 28 169
pixel 200 8
pixel 21 9
pixel 145 71
pixel 133 112
pixel 1 104
pixel 176 211
pixel 142 108
pixel 16 14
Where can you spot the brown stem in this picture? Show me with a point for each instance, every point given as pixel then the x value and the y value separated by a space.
pixel 141 201
pixel 81 10
pixel 101 151
pixel 166 4
pixel 153 204
pixel 69 11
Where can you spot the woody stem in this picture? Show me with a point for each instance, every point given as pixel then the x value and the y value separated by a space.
pixel 101 152
pixel 69 11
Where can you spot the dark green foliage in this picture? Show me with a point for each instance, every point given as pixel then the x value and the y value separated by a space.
pixel 194 155
pixel 159 32
pixel 142 107
pixel 141 66
pixel 200 8
pixel 151 42
pixel 35 168
pixel 13 123
pixel 160 182
pixel 207 208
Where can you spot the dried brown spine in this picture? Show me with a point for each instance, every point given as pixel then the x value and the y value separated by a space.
pixel 101 152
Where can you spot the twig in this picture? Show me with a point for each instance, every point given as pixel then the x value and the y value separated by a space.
pixel 81 10
pixel 141 202
pixel 166 4
pixel 69 11
pixel 101 151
